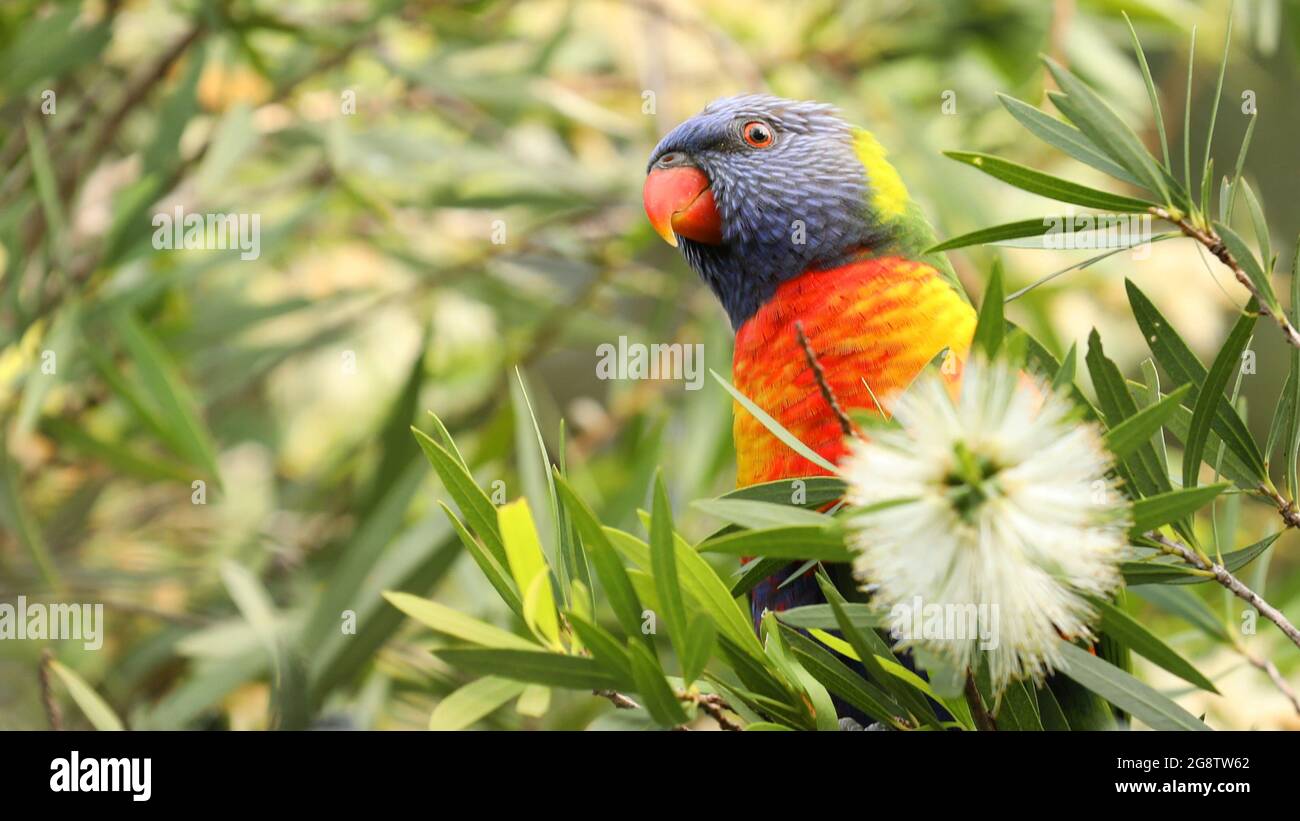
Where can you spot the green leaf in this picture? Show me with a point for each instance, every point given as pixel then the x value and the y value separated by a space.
pixel 701 583
pixel 1136 430
pixel 775 427
pixel 991 326
pixel 1141 467
pixel 1226 363
pixel 1207 164
pixel 175 407
pixel 1152 395
pixel 1152 95
pixel 809 491
pixel 1065 137
pixel 448 442
pixel 605 649
pixel 699 642
pixel 842 681
pixel 528 567
pixel 1180 423
pixel 1124 628
pixel 47 190
pixel 97 711
pixel 995 233
pixel 1104 127
pixel 1019 709
pixel 52 45
pixel 1187 115
pixel 532 666
pixel 609 569
pixel 818 698
pixel 659 698
pixel 1064 379
pixel 1124 691
pixel 868 645
pixel 474 504
pixel 1186 606
pixel 1261 225
pixel 496 575
pixel 753 572
pixel 1049 710
pixel 1136 573
pixel 793 542
pixel 823 617
pixel 1037 182
pixel 454 623
pixel 536 474
pixel 759 675
pixel 534 701
pixel 1161 509
pixel 474 701
pixel 15 514
pixel 1246 259
pixel 755 515
pixel 663 566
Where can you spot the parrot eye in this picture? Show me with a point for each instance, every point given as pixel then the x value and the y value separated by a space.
pixel 757 133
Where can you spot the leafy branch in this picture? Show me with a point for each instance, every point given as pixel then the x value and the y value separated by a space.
pixel 1224 577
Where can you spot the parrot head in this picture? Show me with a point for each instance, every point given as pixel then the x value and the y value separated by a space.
pixel 756 189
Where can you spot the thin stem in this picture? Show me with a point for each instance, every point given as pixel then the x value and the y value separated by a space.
pixel 1271 670
pixel 1215 246
pixel 714 705
pixel 619 700
pixel 1286 508
pixel 52 711
pixel 983 721
pixel 1231 582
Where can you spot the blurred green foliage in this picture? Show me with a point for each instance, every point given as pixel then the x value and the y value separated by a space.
pixel 448 192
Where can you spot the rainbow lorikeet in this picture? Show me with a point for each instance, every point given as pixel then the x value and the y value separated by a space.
pixel 791 215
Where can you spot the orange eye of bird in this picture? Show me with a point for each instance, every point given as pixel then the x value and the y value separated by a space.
pixel 757 134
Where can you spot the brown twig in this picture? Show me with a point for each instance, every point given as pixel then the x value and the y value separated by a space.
pixel 1271 670
pixel 619 700
pixel 846 424
pixel 52 711
pixel 1231 582
pixel 983 721
pixel 1214 244
pixel 716 707
pixel 1286 508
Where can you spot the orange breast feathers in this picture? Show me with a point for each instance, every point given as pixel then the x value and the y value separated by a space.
pixel 879 320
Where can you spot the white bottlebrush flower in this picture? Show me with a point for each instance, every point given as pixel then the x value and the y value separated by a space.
pixel 1010 520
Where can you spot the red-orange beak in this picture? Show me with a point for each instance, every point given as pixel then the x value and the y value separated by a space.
pixel 678 200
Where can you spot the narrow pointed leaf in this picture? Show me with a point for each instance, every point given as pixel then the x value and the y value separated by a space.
pixel 1126 692
pixel 1046 185
pixel 1065 137
pixel 1124 628
pixel 1226 363
pixel 659 699
pixel 473 702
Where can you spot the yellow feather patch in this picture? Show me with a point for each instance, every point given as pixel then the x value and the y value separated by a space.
pixel 888 194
